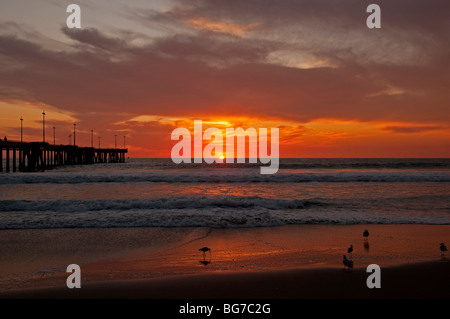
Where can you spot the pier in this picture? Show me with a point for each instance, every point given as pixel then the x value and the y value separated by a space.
pixel 40 156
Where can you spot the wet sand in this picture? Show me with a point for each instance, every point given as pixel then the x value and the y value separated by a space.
pixel 297 261
pixel 419 281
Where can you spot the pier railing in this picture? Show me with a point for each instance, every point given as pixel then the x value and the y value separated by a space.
pixel 36 156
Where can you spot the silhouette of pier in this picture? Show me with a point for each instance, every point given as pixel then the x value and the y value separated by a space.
pixel 39 156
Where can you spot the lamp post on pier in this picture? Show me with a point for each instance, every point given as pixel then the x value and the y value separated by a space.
pixel 43 126
pixel 21 129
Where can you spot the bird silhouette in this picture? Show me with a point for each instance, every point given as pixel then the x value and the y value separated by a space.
pixel 350 250
pixel 366 233
pixel 347 262
pixel 443 248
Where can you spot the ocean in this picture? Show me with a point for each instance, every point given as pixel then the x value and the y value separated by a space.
pixel 159 193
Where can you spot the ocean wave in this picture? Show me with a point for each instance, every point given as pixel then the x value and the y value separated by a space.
pixel 411 164
pixel 214 218
pixel 180 202
pixel 307 163
pixel 226 176
pixel 221 211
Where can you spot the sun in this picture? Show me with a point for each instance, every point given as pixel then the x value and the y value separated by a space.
pixel 222 157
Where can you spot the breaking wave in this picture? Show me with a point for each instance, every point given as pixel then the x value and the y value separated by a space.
pixel 227 176
pixel 182 202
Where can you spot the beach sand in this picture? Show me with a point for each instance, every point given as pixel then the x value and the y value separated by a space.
pixel 295 261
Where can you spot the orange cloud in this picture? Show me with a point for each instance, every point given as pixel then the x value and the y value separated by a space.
pixel 318 138
pixel 221 27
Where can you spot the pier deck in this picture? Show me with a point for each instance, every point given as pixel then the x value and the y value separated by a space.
pixel 36 156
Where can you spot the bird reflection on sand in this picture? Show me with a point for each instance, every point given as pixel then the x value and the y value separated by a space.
pixel 443 249
pixel 366 246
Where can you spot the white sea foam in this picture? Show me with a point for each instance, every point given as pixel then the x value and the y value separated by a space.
pixel 229 176
pixel 217 218
pixel 179 202
pixel 151 193
pixel 217 211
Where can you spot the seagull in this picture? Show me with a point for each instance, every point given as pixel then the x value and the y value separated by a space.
pixel 366 233
pixel 443 248
pixel 347 263
pixel 205 249
pixel 350 250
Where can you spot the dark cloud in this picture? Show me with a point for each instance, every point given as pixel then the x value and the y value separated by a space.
pixel 412 129
pixel 415 14
pixel 201 72
pixel 169 77
pixel 94 38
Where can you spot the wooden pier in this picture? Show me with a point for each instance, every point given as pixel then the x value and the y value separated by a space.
pixel 39 156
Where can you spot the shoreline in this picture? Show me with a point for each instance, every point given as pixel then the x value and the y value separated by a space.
pixel 165 262
pixel 426 280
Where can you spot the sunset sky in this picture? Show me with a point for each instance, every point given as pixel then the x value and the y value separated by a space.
pixel 312 68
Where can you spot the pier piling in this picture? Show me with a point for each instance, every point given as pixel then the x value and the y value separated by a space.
pixel 39 156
